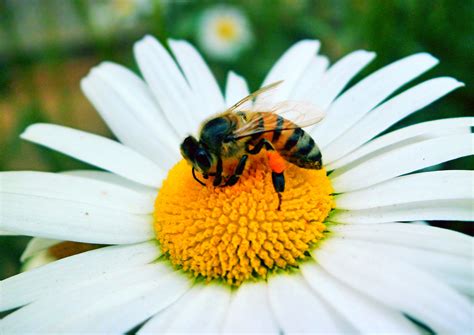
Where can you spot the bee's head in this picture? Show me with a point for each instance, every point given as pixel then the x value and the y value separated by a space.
pixel 196 154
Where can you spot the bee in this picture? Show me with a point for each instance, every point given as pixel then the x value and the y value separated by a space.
pixel 239 132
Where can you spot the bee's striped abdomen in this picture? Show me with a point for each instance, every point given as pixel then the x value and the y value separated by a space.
pixel 278 129
pixel 300 149
pixel 292 143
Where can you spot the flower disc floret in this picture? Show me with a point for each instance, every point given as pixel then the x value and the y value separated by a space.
pixel 237 233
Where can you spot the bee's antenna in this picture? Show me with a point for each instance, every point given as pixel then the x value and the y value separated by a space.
pixel 196 178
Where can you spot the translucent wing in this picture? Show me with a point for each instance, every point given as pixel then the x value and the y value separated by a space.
pixel 259 93
pixel 300 114
pixel 303 114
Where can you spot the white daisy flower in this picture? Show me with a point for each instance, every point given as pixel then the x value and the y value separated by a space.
pixel 224 32
pixel 185 258
pixel 41 251
pixel 40 258
pixel 108 15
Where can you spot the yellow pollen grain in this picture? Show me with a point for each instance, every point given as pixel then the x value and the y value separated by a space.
pixel 236 233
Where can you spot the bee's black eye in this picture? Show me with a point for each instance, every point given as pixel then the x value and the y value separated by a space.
pixel 202 159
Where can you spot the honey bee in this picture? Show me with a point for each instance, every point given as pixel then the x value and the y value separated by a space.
pixel 239 132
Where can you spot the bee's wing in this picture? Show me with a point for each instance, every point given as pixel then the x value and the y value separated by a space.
pixel 301 114
pixel 259 93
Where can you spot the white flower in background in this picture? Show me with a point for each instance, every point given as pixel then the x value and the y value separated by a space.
pixel 368 274
pixel 40 258
pixel 224 32
pixel 41 251
pixel 109 15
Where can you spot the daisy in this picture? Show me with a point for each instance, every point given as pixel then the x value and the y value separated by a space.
pixel 109 15
pixel 186 258
pixel 224 32
pixel 41 251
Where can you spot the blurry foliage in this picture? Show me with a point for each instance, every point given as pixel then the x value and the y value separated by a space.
pixel 46 46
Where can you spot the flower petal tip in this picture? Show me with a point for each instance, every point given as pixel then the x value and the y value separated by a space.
pixel 429 57
pixel 105 65
pixel 371 54
pixel 305 45
pixel 86 82
pixel 309 41
pixel 147 39
pixel 29 131
pixel 176 41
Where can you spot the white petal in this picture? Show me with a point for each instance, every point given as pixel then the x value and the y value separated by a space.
pixel 398 285
pixel 96 150
pixel 364 314
pixel 113 179
pixel 236 89
pixel 199 77
pixel 127 307
pixel 68 272
pixel 402 137
pixel 35 245
pixel 457 210
pixel 361 98
pixel 158 323
pixel 249 311
pixel 33 215
pixel 53 312
pixel 201 310
pixel 436 185
pixel 168 85
pixel 388 114
pixel 454 270
pixel 75 189
pixel 298 310
pixel 306 87
pixel 126 105
pixel 404 160
pixel 338 76
pixel 290 67
pixel 410 235
pixel 143 105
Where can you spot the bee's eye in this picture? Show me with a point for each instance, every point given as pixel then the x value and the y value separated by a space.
pixel 188 147
pixel 202 159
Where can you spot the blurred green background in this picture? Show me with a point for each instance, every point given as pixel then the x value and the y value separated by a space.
pixel 46 46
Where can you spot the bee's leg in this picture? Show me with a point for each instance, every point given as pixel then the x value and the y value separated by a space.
pixel 258 147
pixel 277 165
pixel 218 178
pixel 196 178
pixel 239 169
pixel 278 180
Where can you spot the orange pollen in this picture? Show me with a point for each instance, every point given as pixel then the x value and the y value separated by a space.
pixel 236 233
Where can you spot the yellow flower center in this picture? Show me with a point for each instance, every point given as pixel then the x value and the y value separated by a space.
pixel 226 29
pixel 236 233
pixel 124 8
